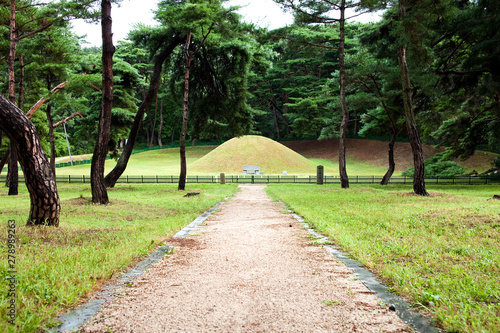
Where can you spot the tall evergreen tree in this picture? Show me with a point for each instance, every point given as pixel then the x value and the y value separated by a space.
pixel 321 12
pixel 99 191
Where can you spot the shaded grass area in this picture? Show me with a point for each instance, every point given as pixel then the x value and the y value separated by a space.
pixel 442 252
pixel 354 168
pixel 56 267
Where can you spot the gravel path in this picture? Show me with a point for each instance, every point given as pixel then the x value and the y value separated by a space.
pixel 249 268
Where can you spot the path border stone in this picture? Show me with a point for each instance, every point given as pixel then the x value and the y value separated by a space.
pixel 79 316
pixel 416 321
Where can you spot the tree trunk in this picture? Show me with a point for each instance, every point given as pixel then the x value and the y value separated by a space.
pixel 174 128
pixel 153 125
pixel 12 172
pixel 40 180
pixel 21 83
pixel 344 179
pixel 416 145
pixel 392 164
pixel 154 83
pixel 161 124
pixel 182 140
pixel 147 127
pixel 12 53
pixel 99 191
pixel 48 111
pixel 4 160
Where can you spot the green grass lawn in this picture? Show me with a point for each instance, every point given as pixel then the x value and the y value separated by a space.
pixel 166 162
pixel 161 162
pixel 441 252
pixel 56 267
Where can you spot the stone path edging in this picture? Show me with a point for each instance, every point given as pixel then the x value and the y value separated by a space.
pixel 403 309
pixel 82 314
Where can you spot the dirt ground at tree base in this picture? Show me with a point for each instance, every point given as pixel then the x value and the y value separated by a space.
pixel 249 268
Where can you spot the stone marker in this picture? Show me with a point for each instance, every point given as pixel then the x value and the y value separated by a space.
pixel 223 178
pixel 320 172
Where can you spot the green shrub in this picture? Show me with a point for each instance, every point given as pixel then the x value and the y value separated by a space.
pixel 435 167
pixel 496 162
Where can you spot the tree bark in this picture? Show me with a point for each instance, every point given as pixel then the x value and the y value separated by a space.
pixel 153 125
pixel 12 53
pixel 154 83
pixel 21 83
pixel 160 127
pixel 40 102
pixel 40 180
pixel 99 191
pixel 48 111
pixel 12 172
pixel 4 160
pixel 174 128
pixel 182 140
pixel 416 144
pixel 392 164
pixel 344 179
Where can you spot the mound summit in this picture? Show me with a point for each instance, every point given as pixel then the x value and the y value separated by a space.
pixel 271 156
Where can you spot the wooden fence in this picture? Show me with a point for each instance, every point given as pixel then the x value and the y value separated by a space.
pixel 264 179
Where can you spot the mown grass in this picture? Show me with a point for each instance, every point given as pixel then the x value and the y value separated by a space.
pixel 56 267
pixel 165 162
pixel 442 252
pixel 150 163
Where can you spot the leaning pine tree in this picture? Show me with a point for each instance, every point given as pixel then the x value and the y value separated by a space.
pixel 40 179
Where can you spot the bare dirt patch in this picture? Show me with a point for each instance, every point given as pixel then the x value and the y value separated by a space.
pixel 249 269
pixel 375 152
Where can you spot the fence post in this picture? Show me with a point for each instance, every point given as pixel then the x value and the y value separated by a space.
pixel 84 179
pixel 253 179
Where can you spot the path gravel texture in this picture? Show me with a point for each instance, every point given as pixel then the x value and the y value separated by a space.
pixel 249 268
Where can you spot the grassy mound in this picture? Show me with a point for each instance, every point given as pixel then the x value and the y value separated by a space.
pixel 271 156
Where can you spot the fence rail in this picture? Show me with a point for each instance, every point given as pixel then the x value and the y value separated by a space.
pixel 261 179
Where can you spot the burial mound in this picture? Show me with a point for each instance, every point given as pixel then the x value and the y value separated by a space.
pixel 271 156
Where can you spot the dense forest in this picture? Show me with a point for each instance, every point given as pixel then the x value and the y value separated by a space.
pixel 324 76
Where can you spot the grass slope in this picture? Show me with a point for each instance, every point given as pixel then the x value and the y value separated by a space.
pixel 271 156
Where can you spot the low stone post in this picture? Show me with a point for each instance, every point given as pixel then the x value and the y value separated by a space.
pixel 222 178
pixel 320 172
